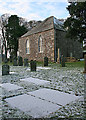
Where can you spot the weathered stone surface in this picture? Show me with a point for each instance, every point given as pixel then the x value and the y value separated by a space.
pixel 5 69
pixel 33 106
pixel 35 81
pixel 54 96
pixel 11 87
pixel 5 59
pixel 47 37
pixel 25 62
pixel 63 61
pixel 85 63
pixel 20 61
pixel 15 61
pixel 10 58
pixel 45 61
pixel 52 38
pixel 33 65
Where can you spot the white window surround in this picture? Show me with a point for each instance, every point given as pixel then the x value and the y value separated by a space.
pixel 40 44
pixel 27 46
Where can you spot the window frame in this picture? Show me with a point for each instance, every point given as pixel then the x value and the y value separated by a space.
pixel 40 44
pixel 27 46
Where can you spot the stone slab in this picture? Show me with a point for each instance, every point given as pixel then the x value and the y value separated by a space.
pixel 35 81
pixel 12 72
pixel 40 68
pixel 54 96
pixel 33 106
pixel 44 68
pixel 10 87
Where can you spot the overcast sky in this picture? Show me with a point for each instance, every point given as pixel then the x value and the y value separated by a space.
pixel 35 9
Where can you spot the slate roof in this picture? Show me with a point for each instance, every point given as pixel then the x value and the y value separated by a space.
pixel 48 23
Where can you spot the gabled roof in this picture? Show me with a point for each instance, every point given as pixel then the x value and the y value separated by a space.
pixel 48 23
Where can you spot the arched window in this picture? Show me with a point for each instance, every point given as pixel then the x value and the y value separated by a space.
pixel 40 44
pixel 27 46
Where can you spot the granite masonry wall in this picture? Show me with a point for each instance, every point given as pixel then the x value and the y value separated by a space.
pixel 48 46
pixel 51 40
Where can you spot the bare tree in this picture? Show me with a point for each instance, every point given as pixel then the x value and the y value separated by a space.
pixel 3 22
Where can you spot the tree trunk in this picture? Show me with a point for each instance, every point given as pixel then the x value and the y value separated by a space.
pixel 4 42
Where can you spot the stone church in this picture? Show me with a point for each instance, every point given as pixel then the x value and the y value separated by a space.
pixel 48 39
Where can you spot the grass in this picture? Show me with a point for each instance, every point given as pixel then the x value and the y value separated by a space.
pixel 67 64
pixel 75 64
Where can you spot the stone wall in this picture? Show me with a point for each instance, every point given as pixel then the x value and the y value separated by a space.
pixel 68 47
pixel 48 46
pixel 61 43
pixel 52 40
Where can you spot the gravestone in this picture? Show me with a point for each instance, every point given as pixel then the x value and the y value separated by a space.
pixel 5 69
pixel 85 63
pixel 33 65
pixel 20 61
pixel 10 58
pixel 5 59
pixel 63 61
pixel 60 59
pixel 25 62
pixel 45 61
pixel 15 61
pixel 0 58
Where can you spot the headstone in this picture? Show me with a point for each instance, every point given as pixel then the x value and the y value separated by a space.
pixel 20 61
pixel 58 59
pixel 5 69
pixel 10 58
pixel 85 63
pixel 45 61
pixel 15 61
pixel 33 65
pixel 71 55
pixel 63 61
pixel 25 62
pixel 5 59
pixel 0 58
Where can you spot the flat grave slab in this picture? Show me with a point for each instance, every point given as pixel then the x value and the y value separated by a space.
pixel 35 81
pixel 33 106
pixel 40 68
pixel 12 72
pixel 10 87
pixel 54 96
pixel 44 68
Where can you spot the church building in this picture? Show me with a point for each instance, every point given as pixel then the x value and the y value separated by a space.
pixel 48 39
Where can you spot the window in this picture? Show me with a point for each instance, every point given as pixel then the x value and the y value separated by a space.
pixel 40 44
pixel 27 47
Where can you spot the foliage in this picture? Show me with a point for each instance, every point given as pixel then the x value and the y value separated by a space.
pixel 76 23
pixel 13 32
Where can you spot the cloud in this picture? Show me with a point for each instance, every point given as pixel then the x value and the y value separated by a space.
pixel 35 1
pixel 32 9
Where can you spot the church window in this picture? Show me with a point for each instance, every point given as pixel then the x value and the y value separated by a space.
pixel 27 47
pixel 40 44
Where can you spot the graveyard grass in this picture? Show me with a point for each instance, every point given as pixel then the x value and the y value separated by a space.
pixel 68 79
pixel 68 64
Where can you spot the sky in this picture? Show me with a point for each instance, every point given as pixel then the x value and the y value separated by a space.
pixel 35 9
